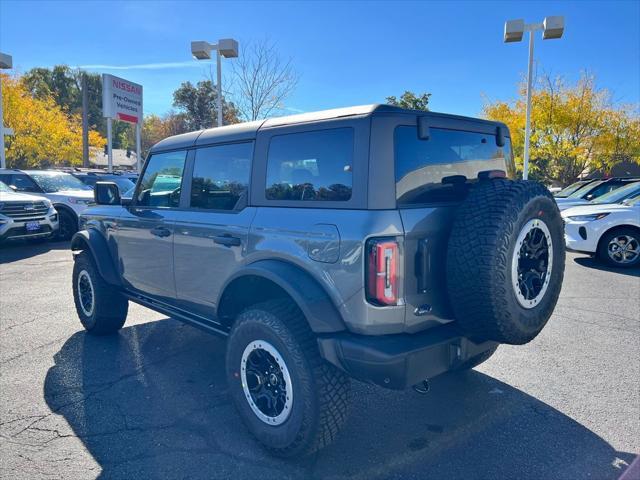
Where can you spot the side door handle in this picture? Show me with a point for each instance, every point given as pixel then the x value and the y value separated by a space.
pixel 228 240
pixel 161 232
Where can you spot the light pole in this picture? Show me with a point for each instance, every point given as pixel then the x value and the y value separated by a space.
pixel 6 62
pixel 552 27
pixel 226 47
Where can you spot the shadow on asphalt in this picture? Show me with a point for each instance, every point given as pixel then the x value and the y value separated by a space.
pixel 590 262
pixel 151 402
pixel 23 249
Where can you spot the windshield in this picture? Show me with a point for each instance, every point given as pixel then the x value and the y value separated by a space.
pixel 58 181
pixel 619 194
pixel 566 191
pixel 4 188
pixel 582 191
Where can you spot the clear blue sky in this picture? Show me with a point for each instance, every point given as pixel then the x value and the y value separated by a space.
pixel 346 53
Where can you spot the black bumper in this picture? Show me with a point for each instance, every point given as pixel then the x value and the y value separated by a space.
pixel 399 361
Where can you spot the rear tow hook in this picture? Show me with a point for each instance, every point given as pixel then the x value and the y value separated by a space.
pixel 422 388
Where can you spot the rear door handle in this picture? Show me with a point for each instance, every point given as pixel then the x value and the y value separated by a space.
pixel 227 240
pixel 161 232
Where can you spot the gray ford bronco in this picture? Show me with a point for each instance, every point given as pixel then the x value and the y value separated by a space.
pixel 377 243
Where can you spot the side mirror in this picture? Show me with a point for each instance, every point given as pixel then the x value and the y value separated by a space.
pixel 106 193
pixel 13 187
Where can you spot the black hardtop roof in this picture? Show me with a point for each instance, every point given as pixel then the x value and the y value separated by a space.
pixel 248 130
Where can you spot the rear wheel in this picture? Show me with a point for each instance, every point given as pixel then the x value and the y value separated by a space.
pixel 620 247
pixel 102 308
pixel 291 400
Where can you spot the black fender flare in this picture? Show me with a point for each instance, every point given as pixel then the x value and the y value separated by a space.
pixel 95 243
pixel 312 299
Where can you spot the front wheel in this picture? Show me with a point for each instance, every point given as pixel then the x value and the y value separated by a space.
pixel 101 307
pixel 620 247
pixel 291 400
pixel 67 225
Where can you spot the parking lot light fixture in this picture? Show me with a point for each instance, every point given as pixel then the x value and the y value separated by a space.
pixel 226 47
pixel 552 28
pixel 6 62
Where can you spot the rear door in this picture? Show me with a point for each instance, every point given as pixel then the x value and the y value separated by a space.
pixel 432 177
pixel 145 230
pixel 211 232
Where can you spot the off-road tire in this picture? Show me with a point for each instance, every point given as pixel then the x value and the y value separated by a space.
pixel 480 256
pixel 603 245
pixel 320 391
pixel 110 307
pixel 477 360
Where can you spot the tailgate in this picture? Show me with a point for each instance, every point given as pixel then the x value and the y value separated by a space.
pixel 425 251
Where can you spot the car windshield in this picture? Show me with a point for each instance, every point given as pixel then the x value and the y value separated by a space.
pixel 619 194
pixel 565 192
pixel 58 181
pixel 580 192
pixel 4 188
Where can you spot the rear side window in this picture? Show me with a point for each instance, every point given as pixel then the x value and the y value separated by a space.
pixel 311 166
pixel 435 170
pixel 221 176
pixel 160 185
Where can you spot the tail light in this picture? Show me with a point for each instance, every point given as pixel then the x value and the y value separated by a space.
pixel 382 271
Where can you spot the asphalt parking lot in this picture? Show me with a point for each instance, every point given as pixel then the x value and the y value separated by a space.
pixel 151 402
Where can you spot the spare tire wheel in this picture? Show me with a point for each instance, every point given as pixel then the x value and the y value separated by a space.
pixel 505 260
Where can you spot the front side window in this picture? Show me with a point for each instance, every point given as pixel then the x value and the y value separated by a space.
pixel 160 185
pixel 22 183
pixel 437 169
pixel 311 166
pixel 221 176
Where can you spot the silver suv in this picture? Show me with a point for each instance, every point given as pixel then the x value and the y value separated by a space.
pixel 373 242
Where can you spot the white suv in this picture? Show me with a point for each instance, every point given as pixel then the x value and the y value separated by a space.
pixel 69 196
pixel 25 216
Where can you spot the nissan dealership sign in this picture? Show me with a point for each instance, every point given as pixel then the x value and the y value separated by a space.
pixel 121 99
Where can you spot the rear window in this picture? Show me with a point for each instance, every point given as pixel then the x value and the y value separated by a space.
pixel 311 166
pixel 435 170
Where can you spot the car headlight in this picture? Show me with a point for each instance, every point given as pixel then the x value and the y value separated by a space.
pixel 80 201
pixel 588 218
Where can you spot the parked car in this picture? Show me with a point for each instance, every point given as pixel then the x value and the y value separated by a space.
pixel 370 242
pixel 616 195
pixel 566 191
pixel 593 190
pixel 68 194
pixel 610 231
pixel 25 216
pixel 90 179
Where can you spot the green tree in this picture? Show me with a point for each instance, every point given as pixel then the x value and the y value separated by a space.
pixel 198 104
pixel 411 101
pixel 64 85
pixel 44 133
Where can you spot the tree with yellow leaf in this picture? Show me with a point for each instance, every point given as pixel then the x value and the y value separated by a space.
pixel 44 135
pixel 575 129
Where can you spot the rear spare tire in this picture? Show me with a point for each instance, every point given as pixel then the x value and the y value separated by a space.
pixel 505 260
